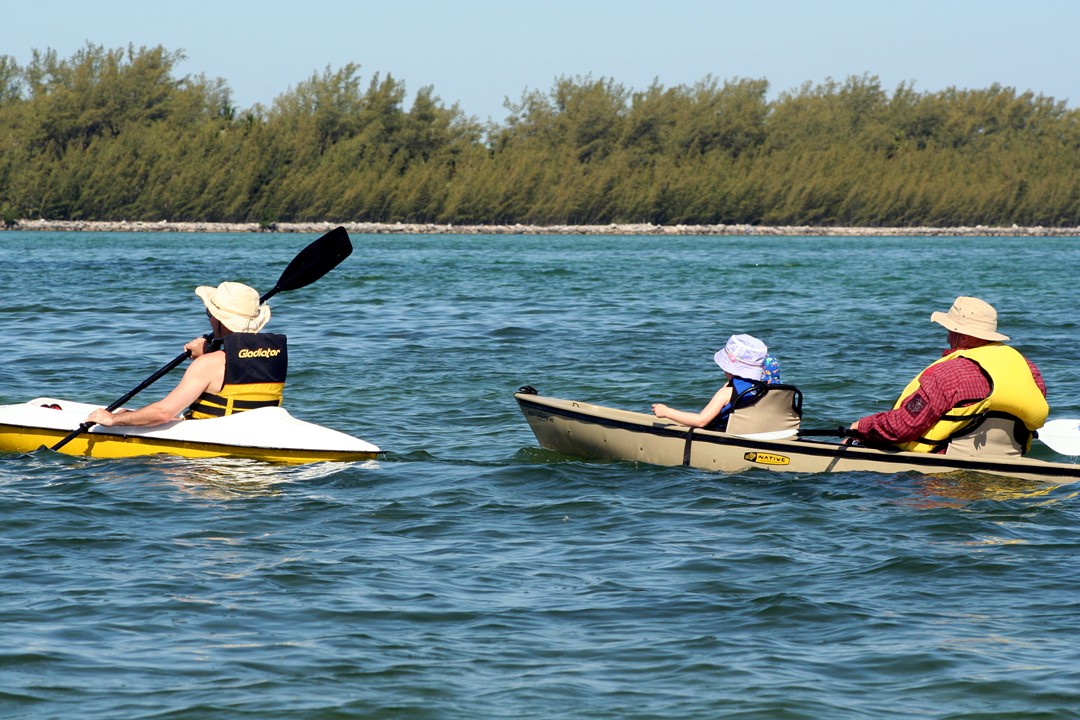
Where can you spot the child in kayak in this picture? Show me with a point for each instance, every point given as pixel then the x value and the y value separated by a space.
pixel 747 364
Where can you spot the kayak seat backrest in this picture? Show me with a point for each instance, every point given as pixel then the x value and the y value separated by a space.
pixel 779 407
pixel 994 434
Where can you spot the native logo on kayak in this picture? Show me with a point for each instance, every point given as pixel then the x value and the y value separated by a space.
pixel 259 353
pixel 766 458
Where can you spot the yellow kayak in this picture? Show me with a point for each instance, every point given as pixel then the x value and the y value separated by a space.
pixel 270 434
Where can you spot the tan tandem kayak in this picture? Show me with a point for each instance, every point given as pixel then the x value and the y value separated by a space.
pixel 590 431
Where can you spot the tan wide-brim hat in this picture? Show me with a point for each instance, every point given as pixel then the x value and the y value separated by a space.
pixel 236 305
pixel 970 316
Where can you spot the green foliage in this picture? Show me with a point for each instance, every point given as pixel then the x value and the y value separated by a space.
pixel 11 83
pixel 115 134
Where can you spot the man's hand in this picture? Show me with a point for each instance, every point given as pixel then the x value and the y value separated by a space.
pixel 101 416
pixel 196 347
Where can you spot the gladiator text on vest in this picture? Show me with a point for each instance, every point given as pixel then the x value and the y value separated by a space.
pixel 259 352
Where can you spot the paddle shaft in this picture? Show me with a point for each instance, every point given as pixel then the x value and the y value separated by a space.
pixel 1062 435
pixel 839 431
pixel 310 264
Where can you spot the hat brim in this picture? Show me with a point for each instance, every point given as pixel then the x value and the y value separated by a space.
pixel 234 322
pixel 948 323
pixel 750 372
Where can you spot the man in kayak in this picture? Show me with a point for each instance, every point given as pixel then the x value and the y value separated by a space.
pixel 241 369
pixel 981 397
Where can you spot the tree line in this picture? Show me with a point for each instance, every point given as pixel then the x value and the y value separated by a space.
pixel 116 134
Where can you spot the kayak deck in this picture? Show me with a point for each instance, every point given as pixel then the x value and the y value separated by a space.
pixel 269 434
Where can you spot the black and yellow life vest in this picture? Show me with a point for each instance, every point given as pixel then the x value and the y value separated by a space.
pixel 255 369
pixel 1013 392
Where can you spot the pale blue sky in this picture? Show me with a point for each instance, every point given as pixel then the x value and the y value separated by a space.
pixel 480 52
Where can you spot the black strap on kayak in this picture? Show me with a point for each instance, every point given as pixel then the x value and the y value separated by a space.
pixel 686 448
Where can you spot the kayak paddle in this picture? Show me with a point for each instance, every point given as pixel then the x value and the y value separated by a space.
pixel 838 431
pixel 313 262
pixel 1062 436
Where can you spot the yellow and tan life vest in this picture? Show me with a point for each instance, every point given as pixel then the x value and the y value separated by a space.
pixel 1013 392
pixel 255 368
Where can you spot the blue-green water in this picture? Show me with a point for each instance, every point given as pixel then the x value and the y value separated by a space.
pixel 469 574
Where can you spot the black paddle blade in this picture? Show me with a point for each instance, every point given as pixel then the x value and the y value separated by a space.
pixel 314 261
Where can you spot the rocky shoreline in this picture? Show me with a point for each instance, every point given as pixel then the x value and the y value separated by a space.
pixel 612 229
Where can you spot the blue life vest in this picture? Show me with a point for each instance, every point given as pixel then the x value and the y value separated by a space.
pixel 739 398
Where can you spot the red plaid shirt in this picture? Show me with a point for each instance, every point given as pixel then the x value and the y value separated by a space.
pixel 953 383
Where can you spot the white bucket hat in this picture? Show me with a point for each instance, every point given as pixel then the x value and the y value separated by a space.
pixel 236 305
pixel 970 316
pixel 743 356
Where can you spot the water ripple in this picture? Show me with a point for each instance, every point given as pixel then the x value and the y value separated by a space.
pixel 468 573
